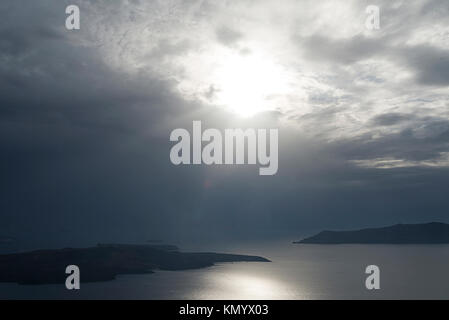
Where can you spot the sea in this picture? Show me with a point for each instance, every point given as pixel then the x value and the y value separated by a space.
pixel 296 272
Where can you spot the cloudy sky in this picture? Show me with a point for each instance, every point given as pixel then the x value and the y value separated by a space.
pixel 86 115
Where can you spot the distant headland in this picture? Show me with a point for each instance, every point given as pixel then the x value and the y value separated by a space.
pixel 427 233
pixel 104 262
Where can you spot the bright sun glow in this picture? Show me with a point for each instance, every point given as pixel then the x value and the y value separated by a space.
pixel 244 84
pixel 248 84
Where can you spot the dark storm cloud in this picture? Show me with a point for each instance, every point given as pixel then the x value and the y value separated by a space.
pixel 17 41
pixel 389 119
pixel 167 49
pixel 410 135
pixel 344 51
pixel 421 140
pixel 429 64
pixel 47 78
pixel 227 36
pixel 85 145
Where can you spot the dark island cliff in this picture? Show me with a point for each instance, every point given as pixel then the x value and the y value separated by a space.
pixel 428 233
pixel 104 262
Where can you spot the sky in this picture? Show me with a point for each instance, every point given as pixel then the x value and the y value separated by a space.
pixel 86 116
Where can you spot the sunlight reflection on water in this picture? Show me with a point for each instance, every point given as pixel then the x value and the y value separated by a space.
pixel 239 283
pixel 296 272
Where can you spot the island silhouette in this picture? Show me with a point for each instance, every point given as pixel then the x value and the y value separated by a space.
pixel 105 261
pixel 427 233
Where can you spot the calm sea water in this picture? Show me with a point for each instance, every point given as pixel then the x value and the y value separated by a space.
pixel 296 272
